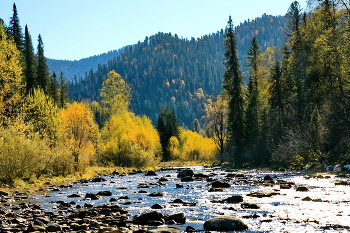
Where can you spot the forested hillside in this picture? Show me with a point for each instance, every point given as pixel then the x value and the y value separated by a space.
pixel 165 70
pixel 78 68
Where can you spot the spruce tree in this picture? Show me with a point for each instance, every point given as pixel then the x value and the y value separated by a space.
pixel 44 80
pixel 63 90
pixel 15 30
pixel 167 127
pixel 253 114
pixel 233 85
pixel 30 62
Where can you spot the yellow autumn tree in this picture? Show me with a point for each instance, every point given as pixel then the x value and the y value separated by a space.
pixel 79 131
pixel 129 140
pixel 10 78
pixel 195 147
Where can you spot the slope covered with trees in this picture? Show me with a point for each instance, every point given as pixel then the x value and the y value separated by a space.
pixel 165 70
pixel 296 104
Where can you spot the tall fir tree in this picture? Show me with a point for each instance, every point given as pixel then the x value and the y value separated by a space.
pixel 15 30
pixel 44 80
pixel 253 110
pixel 233 85
pixel 167 127
pixel 30 71
pixel 63 90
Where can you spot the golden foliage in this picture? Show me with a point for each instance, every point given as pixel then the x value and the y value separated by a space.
pixel 78 131
pixel 129 140
pixel 10 78
pixel 196 147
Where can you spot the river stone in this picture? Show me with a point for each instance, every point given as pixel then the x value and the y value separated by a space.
pixel 91 196
pixel 184 173
pixel 148 218
pixel 105 193
pixel 220 184
pixel 151 173
pixel 166 230
pixel 234 199
pixel 225 223
pixel 187 179
pixel 53 228
pixel 2 193
pixel 302 189
pixel 268 177
pixel 178 218
pixel 263 193
pixel 98 179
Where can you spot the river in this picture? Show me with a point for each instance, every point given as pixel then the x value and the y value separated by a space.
pixel 323 207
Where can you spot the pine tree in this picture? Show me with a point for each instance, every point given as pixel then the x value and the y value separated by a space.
pixel 15 30
pixel 253 114
pixel 167 126
pixel 30 62
pixel 44 80
pixel 233 85
pixel 63 90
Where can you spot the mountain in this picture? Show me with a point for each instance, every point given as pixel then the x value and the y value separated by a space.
pixel 78 68
pixel 165 70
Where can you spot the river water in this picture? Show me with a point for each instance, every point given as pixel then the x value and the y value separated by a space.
pixel 323 208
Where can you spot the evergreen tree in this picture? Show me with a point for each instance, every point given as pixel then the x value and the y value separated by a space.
pixel 30 62
pixel 233 85
pixel 63 90
pixel 44 80
pixel 15 30
pixel 54 88
pixel 167 127
pixel 253 111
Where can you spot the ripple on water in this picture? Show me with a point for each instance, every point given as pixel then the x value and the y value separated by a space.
pixel 286 212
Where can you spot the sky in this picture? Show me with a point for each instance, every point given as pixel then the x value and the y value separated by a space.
pixel 76 29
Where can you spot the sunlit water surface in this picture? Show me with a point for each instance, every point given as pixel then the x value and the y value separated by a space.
pixel 286 212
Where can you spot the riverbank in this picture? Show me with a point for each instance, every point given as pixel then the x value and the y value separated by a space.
pixel 39 185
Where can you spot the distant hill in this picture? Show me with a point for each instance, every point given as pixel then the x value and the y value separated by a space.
pixel 78 68
pixel 165 70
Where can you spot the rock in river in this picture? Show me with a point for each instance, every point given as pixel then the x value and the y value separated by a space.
pixel 225 223
pixel 220 184
pixel 184 173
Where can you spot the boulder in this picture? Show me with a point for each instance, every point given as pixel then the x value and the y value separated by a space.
pixel 225 223
pixel 156 206
pixel 75 195
pixel 98 179
pixel 187 179
pixel 234 199
pixel 184 173
pixel 91 196
pixel 53 228
pixel 105 193
pixel 220 184
pixel 166 230
pixel 178 218
pixel 148 218
pixel 268 178
pixel 249 206
pixel 2 193
pixel 151 173
pixel 302 189
pixel 263 193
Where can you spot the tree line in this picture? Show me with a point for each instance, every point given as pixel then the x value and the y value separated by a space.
pixel 294 111
pixel 44 134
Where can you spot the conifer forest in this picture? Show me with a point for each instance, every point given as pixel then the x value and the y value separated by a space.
pixel 271 92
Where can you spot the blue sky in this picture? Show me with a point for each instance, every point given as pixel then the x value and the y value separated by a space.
pixel 76 29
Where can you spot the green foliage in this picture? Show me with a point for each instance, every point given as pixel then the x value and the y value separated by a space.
pixel 233 85
pixel 168 127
